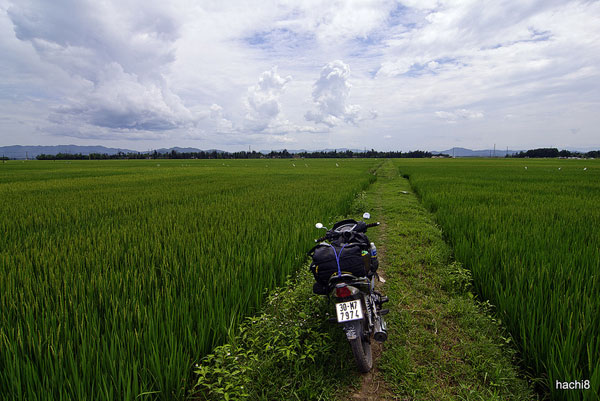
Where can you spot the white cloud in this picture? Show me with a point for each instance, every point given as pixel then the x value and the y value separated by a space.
pixel 263 104
pixel 219 122
pixel 121 100
pixel 393 68
pixel 116 60
pixel 340 20
pixel 163 72
pixel 330 96
pixel 461 114
pixel 264 110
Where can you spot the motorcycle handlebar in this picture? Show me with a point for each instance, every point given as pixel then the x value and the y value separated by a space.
pixel 326 236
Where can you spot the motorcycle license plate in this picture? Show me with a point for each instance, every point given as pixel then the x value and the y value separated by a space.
pixel 347 311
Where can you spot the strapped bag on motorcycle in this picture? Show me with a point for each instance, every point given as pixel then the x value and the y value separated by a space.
pixel 350 253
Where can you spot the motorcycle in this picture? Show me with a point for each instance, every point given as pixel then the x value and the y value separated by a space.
pixel 350 282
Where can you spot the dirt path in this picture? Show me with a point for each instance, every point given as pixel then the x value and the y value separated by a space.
pixel 373 386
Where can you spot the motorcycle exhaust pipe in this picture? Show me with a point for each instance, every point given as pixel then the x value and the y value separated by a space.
pixel 380 330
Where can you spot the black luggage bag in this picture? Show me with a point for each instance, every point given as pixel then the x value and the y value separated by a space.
pixel 329 259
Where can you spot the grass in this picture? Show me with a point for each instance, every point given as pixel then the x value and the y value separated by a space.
pixel 287 352
pixel 443 345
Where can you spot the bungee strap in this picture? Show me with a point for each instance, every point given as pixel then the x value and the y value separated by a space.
pixel 337 258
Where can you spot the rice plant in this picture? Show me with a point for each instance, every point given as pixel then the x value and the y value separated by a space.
pixel 530 232
pixel 117 276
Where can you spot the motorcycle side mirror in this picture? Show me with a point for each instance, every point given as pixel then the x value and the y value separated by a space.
pixel 367 216
pixel 319 225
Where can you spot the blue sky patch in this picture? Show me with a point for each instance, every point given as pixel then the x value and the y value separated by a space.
pixel 279 39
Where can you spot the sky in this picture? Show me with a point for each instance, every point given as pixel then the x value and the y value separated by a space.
pixel 262 75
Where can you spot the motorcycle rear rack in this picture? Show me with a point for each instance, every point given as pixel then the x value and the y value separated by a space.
pixel 348 279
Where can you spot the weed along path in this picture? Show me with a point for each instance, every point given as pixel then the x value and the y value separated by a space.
pixel 442 344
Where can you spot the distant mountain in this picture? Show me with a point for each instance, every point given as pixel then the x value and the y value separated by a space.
pixel 463 152
pixel 583 150
pixel 187 150
pixel 30 152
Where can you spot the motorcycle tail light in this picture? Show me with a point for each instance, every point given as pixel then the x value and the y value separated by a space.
pixel 342 292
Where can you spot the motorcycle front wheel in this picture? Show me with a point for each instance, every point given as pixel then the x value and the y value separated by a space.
pixel 361 348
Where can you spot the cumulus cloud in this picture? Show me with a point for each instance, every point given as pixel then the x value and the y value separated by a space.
pixel 124 101
pixel 80 36
pixel 330 93
pixel 218 121
pixel 117 64
pixel 263 104
pixel 264 111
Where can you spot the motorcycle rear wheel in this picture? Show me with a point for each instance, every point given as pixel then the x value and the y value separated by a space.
pixel 361 348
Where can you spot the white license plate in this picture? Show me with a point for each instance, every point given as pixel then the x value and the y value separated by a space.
pixel 347 311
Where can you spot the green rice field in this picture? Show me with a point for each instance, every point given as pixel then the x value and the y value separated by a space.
pixel 117 276
pixel 530 232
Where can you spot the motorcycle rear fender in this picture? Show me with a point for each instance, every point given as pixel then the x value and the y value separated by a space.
pixel 352 329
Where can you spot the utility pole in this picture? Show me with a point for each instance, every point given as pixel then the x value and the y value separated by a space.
pixel 494 150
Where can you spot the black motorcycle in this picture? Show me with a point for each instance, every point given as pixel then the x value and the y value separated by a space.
pixel 345 268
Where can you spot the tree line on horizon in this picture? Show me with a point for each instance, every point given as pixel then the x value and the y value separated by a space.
pixel 283 154
pixel 553 153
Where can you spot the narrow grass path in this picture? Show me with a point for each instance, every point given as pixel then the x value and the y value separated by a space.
pixel 443 344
